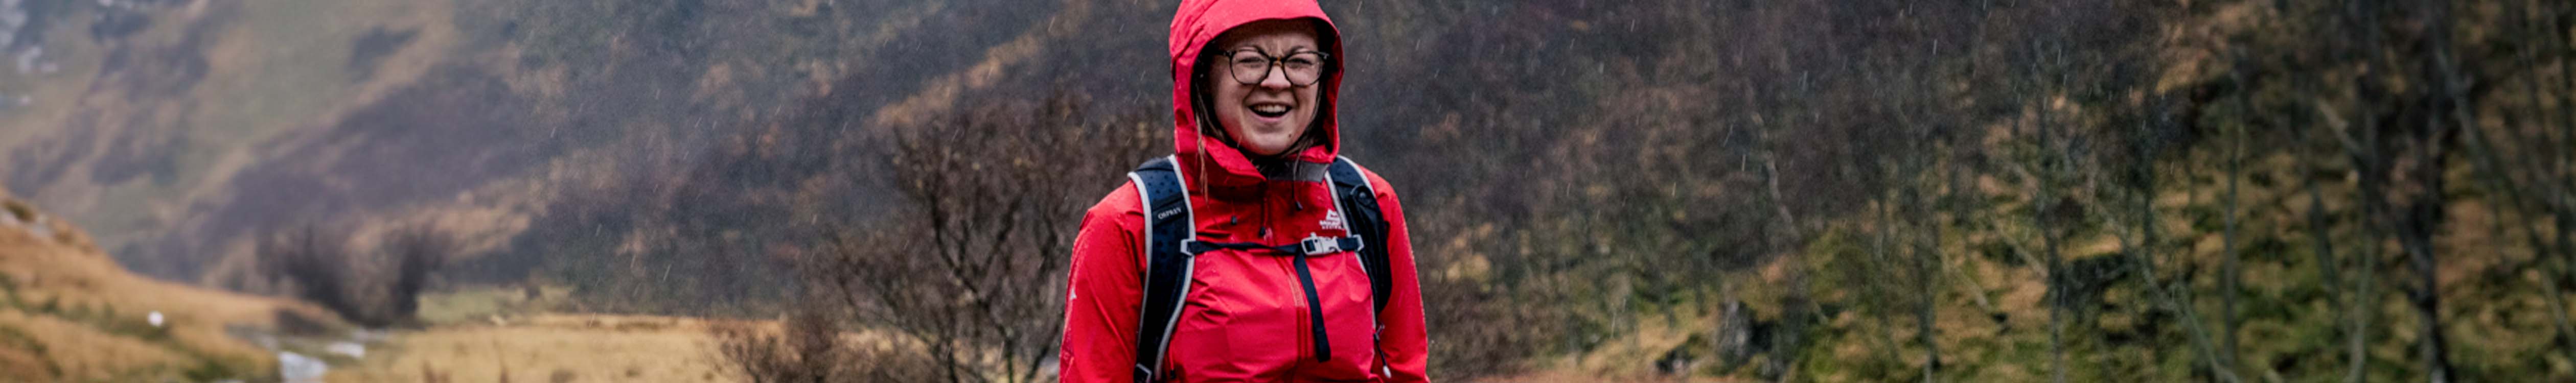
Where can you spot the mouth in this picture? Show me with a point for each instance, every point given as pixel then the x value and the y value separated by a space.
pixel 1269 110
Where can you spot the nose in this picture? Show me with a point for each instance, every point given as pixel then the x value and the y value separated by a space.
pixel 1276 78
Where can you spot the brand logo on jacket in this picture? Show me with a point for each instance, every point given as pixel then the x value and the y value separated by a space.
pixel 1332 221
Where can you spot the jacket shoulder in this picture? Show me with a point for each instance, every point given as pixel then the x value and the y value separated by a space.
pixel 1377 185
pixel 1119 203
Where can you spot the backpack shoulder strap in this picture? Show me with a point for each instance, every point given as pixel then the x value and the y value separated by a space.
pixel 1358 202
pixel 1168 222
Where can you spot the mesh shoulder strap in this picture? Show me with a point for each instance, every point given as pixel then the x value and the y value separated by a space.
pixel 1167 270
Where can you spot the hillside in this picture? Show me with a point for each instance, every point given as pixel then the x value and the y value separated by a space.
pixel 69 313
pixel 185 131
pixel 1845 190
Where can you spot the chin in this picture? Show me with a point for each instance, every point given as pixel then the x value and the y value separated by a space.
pixel 1270 146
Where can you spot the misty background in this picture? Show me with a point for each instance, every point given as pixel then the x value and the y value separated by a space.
pixel 1861 190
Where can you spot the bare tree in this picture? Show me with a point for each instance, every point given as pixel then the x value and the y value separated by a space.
pixel 2139 238
pixel 2230 274
pixel 2351 317
pixel 2425 212
pixel 971 266
pixel 314 264
pixel 2361 18
pixel 416 252
pixel 374 288
pixel 2044 174
pixel 2532 194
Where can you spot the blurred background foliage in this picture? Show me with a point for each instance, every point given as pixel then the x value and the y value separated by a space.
pixel 1860 190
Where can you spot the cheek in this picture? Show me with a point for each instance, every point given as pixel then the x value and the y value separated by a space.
pixel 1226 98
pixel 1310 97
pixel 1232 94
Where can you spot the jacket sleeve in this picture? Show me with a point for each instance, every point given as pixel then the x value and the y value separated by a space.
pixel 1403 344
pixel 1101 295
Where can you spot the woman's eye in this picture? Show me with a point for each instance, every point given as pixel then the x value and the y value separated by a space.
pixel 1301 62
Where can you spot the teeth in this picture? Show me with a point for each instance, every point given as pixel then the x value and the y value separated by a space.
pixel 1270 108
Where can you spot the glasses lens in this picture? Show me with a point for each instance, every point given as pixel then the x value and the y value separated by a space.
pixel 1249 66
pixel 1303 68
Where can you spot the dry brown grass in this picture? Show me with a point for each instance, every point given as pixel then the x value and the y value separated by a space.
pixel 80 352
pixel 64 268
pixel 584 348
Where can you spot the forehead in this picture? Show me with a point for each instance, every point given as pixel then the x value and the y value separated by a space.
pixel 1269 34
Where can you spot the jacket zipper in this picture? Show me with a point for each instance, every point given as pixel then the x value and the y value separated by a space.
pixel 1314 311
pixel 1306 278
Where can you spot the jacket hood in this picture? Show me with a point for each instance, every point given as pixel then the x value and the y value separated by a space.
pixel 1210 160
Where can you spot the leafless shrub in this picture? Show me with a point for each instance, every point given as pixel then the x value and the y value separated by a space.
pixel 416 253
pixel 971 265
pixel 810 348
pixel 431 375
pixel 315 268
pixel 807 350
pixel 377 288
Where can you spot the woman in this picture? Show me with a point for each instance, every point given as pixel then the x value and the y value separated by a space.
pixel 1269 295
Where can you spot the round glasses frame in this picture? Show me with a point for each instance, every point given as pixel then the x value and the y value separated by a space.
pixel 1250 66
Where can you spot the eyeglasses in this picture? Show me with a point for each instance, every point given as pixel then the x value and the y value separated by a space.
pixel 1251 66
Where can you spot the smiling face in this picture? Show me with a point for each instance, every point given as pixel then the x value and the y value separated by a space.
pixel 1270 116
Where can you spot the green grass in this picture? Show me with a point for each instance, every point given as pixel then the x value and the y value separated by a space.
pixel 476 304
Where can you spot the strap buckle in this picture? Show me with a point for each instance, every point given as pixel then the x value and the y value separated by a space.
pixel 1319 245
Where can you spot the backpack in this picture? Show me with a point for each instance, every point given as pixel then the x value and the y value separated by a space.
pixel 1171 244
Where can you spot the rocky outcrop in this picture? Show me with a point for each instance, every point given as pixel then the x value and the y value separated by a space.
pixel 19 217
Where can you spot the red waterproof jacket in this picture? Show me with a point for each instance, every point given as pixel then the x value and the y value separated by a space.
pixel 1245 318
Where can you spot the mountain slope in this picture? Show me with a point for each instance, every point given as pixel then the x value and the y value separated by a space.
pixel 69 313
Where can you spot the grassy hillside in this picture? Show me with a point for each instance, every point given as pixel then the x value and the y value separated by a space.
pixel 164 107
pixel 69 313
pixel 184 131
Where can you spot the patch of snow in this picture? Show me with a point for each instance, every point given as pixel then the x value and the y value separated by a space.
pixel 27 58
pixel 297 368
pixel 155 318
pixel 351 349
pixel 366 335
